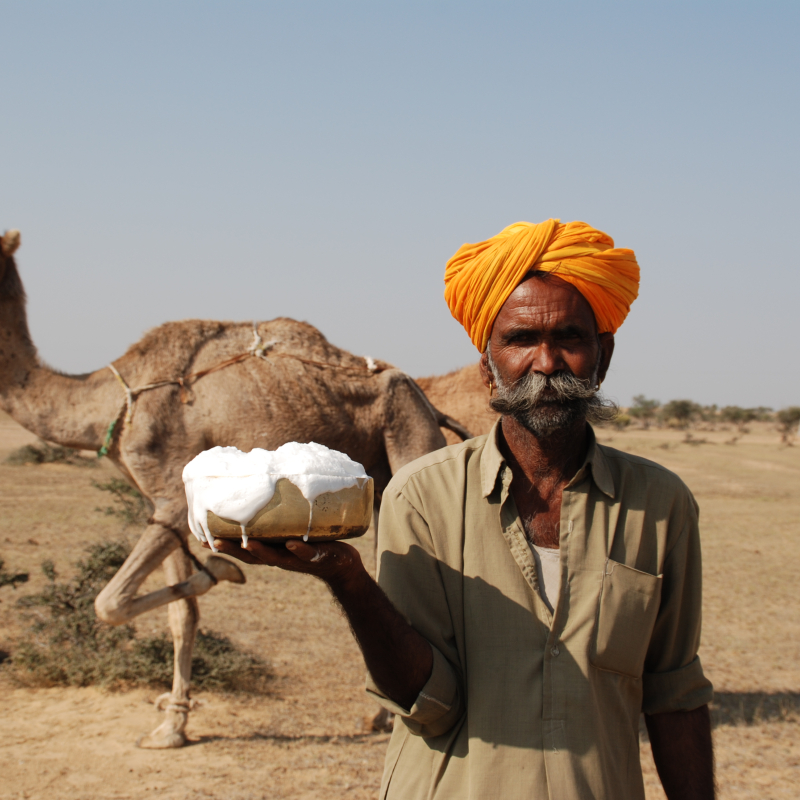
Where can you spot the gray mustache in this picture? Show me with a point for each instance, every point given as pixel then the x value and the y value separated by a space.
pixel 528 392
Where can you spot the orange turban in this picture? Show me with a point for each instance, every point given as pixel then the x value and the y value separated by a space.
pixel 480 277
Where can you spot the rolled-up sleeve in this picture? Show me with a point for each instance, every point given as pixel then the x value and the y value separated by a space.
pixel 437 706
pixel 673 678
pixel 409 573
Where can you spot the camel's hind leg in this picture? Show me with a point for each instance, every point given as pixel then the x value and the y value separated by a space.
pixel 184 616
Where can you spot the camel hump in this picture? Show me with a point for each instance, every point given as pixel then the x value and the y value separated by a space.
pixel 10 242
pixel 181 338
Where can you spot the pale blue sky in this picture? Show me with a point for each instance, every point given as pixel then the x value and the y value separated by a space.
pixel 322 161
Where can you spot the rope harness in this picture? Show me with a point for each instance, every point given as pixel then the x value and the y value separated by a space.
pixel 257 350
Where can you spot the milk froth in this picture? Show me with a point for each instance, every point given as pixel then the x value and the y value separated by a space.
pixel 236 486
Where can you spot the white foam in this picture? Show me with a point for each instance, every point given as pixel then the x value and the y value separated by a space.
pixel 236 485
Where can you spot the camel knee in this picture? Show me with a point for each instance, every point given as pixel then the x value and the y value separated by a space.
pixel 110 608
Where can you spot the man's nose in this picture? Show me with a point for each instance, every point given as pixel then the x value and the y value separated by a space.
pixel 547 359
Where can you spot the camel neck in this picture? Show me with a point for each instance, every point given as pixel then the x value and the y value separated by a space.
pixel 73 411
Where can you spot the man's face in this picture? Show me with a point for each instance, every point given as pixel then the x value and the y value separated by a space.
pixel 545 356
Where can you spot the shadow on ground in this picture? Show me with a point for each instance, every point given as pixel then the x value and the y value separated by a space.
pixel 287 739
pixel 747 708
pixel 752 708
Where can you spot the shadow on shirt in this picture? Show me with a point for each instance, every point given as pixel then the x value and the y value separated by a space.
pixel 516 686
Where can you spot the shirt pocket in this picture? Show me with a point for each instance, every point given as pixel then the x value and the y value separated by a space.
pixel 626 615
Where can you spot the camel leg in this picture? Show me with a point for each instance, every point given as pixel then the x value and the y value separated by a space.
pixel 118 603
pixel 184 616
pixel 412 429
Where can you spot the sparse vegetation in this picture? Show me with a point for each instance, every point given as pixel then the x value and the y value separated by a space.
pixel 621 420
pixel 644 410
pixel 9 578
pixel 738 416
pixel 679 413
pixel 67 645
pixel 788 420
pixel 45 453
pixel 129 504
pixel 685 414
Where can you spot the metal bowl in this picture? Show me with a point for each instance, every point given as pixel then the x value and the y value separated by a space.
pixel 345 514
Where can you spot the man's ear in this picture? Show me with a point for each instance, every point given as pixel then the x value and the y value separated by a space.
pixel 483 366
pixel 606 351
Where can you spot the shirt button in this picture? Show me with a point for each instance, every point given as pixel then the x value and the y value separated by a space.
pixel 554 650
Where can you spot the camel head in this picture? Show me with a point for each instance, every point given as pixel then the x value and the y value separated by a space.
pixel 10 284
pixel 9 244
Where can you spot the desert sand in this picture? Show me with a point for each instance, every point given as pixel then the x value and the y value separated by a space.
pixel 304 739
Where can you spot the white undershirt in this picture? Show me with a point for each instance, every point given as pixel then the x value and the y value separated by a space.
pixel 548 566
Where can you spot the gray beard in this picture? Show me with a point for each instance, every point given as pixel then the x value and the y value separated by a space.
pixel 550 404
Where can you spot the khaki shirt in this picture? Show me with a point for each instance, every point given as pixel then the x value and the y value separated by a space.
pixel 522 704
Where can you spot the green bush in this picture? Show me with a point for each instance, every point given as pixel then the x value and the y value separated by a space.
pixel 46 453
pixel 66 645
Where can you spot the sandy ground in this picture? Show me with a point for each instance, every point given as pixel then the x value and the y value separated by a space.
pixel 304 739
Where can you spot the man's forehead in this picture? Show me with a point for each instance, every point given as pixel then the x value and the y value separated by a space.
pixel 544 302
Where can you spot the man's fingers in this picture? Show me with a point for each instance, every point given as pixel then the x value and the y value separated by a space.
pixel 234 549
pixel 323 560
pixel 271 555
pixel 308 552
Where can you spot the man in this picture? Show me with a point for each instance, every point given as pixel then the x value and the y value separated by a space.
pixel 537 591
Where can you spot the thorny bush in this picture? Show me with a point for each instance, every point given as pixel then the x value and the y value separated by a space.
pixel 66 645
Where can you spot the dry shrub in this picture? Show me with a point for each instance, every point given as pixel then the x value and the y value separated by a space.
pixel 10 578
pixel 46 453
pixel 66 645
pixel 129 506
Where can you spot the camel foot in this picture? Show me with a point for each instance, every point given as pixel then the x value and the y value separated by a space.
pixel 161 740
pixel 169 734
pixel 382 722
pixel 224 570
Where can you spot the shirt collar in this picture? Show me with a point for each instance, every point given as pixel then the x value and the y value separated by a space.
pixel 595 463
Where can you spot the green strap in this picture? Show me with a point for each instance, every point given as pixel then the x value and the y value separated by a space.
pixel 103 451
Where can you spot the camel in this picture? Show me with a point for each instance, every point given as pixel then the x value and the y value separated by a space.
pixel 461 394
pixel 186 387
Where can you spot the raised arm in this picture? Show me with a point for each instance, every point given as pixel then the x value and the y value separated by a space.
pixel 399 659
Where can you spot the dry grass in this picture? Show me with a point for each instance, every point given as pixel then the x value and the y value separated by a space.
pixel 749 495
pixel 303 740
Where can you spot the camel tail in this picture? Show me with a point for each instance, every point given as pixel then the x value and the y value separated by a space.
pixel 442 420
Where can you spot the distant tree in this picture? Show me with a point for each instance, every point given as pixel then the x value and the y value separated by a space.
pixel 788 419
pixel 709 414
pixel 644 410
pixel 679 413
pixel 764 413
pixel 622 420
pixel 739 416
